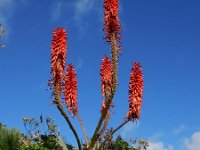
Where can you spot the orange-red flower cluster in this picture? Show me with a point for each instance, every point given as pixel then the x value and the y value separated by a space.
pixel 106 75
pixel 135 92
pixel 58 56
pixel 70 90
pixel 111 20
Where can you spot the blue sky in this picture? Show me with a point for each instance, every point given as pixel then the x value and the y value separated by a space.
pixel 163 35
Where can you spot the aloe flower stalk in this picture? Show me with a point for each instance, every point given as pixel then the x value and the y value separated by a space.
pixel 106 76
pixel 106 87
pixel 112 30
pixel 70 95
pixel 111 19
pixel 58 57
pixel 70 90
pixel 135 99
pixel 135 92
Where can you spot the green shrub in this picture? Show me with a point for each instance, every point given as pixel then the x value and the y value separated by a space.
pixel 9 138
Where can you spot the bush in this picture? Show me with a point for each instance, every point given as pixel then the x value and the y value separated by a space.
pixel 9 138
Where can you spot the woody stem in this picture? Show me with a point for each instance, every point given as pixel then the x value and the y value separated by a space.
pixel 112 132
pixel 83 129
pixel 60 108
pixel 104 126
pixel 114 52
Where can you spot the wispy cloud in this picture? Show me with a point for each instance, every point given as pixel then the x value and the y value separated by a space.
pixel 25 2
pixel 79 9
pixel 188 143
pixel 180 129
pixel 155 142
pixel 77 12
pixel 56 10
pixel 83 7
pixel 193 143
pixel 6 10
pixel 80 64
pixel 128 128
pixel 156 137
pixel 159 146
pixel 82 10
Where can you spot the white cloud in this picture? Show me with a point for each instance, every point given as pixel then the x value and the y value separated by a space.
pixel 193 143
pixel 170 147
pixel 155 142
pixel 159 146
pixel 189 143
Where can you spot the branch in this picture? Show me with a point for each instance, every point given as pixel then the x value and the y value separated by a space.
pixel 111 134
pixel 103 115
pixel 114 52
pixel 83 129
pixel 70 124
pixel 104 125
pixel 60 108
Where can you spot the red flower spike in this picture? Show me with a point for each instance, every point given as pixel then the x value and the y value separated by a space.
pixel 111 20
pixel 70 91
pixel 106 75
pixel 58 56
pixel 135 92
